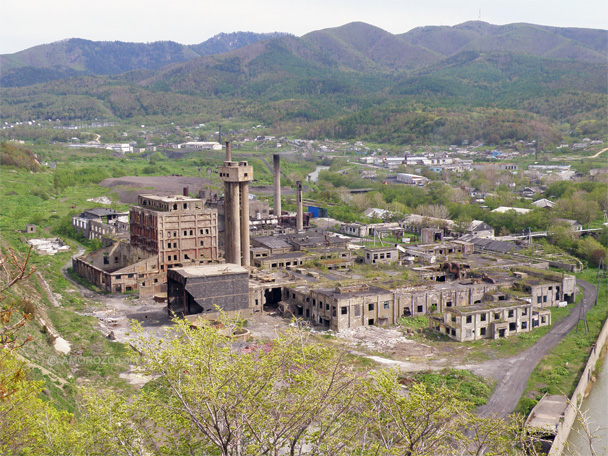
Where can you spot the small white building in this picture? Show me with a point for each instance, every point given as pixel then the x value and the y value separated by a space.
pixel 413 179
pixel 393 162
pixel 480 229
pixel 505 209
pixel 418 161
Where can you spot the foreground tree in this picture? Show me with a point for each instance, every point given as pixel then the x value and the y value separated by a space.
pixel 265 399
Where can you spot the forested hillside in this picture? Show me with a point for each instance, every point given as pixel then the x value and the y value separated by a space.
pixel 473 81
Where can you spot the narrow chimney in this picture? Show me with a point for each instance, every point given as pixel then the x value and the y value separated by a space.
pixel 276 159
pixel 299 210
pixel 185 191
pixel 228 151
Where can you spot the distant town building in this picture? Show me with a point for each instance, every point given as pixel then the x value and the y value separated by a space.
pixel 412 179
pixel 200 145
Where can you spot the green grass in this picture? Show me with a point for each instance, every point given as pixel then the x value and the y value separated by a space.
pixel 468 387
pixel 414 322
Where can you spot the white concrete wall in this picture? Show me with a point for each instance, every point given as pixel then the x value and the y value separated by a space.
pixel 579 393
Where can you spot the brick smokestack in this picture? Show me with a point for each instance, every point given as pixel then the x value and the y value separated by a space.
pixel 276 160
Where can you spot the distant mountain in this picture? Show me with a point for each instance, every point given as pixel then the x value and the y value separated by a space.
pixel 226 42
pixel 363 47
pixel 473 81
pixel 100 57
pixel 73 57
pixel 552 42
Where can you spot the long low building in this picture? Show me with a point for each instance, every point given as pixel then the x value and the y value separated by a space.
pixel 344 307
pixel 362 304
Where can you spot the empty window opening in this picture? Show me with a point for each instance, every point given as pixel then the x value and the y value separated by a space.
pixel 272 297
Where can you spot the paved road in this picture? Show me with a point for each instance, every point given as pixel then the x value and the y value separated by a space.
pixel 516 370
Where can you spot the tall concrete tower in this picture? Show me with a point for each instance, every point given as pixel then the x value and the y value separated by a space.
pixel 236 177
pixel 276 161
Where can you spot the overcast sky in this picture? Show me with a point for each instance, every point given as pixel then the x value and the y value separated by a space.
pixel 27 23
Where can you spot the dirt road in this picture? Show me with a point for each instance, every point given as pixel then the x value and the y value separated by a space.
pixel 513 373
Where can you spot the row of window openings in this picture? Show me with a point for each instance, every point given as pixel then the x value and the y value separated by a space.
pixel 497 316
pixel 482 331
pixel 186 257
pixel 344 309
pixel 202 231
pixel 174 244
pixel 388 255
pixel 288 263
pixel 370 321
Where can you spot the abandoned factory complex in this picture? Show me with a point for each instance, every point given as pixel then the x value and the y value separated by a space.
pixel 206 254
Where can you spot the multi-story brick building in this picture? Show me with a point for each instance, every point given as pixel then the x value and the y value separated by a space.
pixel 176 228
pixel 165 232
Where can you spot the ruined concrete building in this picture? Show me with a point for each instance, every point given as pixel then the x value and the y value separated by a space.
pixel 446 300
pixel 204 289
pixel 99 222
pixel 343 307
pixel 165 232
pixel 493 319
pixel 378 255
